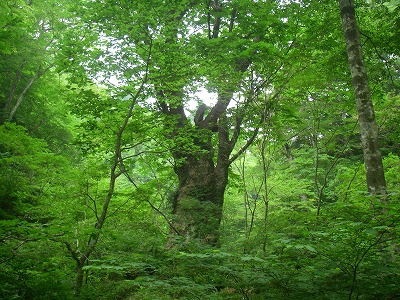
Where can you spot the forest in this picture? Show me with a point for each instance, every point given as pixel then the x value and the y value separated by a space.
pixel 199 149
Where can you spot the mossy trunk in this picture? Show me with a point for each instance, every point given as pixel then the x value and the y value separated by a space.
pixel 80 274
pixel 198 204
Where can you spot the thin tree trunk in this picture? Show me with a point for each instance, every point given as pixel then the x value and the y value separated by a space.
pixel 265 195
pixel 21 97
pixel 11 112
pixel 117 169
pixel 368 128
pixel 9 101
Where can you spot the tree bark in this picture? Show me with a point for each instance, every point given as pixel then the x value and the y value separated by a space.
pixel 198 204
pixel 201 149
pixel 203 176
pixel 10 97
pixel 369 130
pixel 11 108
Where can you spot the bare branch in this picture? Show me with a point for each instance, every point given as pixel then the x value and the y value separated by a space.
pixel 73 253
pixel 245 146
pixel 164 216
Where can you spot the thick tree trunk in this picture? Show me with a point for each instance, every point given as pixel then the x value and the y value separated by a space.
pixel 202 181
pixel 80 275
pixel 368 128
pixel 198 204
pixel 202 174
pixel 202 167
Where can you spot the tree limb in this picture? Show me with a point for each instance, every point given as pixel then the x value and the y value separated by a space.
pixel 38 74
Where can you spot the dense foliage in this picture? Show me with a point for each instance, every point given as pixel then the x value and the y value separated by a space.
pixel 109 111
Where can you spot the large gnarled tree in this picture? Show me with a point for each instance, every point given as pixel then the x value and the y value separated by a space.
pixel 226 52
pixel 230 48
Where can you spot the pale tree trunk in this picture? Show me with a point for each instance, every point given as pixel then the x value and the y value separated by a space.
pixel 368 128
pixel 11 108
pixel 10 97
pixel 21 97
